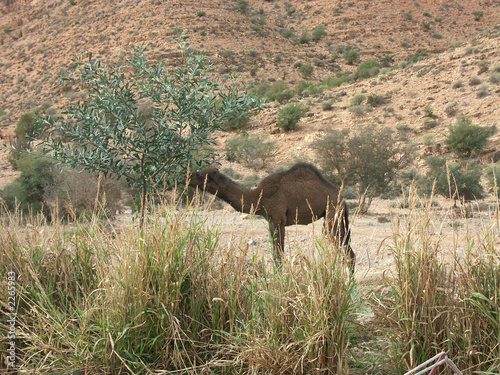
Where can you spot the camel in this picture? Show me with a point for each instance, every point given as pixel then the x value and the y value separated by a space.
pixel 299 195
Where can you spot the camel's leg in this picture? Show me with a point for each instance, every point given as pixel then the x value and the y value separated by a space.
pixel 277 231
pixel 337 227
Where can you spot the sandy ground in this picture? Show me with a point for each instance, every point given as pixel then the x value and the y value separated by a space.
pixel 371 239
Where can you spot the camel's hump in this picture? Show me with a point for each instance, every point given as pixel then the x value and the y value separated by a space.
pixel 305 171
pixel 307 166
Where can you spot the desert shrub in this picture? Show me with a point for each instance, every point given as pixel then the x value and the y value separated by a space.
pixel 252 52
pixel 46 187
pixel 387 60
pixel 458 84
pixel 451 180
pixel 465 139
pixel 455 44
pixel 27 192
pixel 358 110
pixel 305 37
pixel 25 132
pixel 327 105
pixel 474 81
pixel 357 99
pixel 18 147
pixel 478 14
pixel 483 66
pixel 367 69
pixel 259 88
pixel 369 159
pixel 279 91
pixel 428 139
pixel 493 175
pixel 350 193
pixel 287 33
pixel 430 118
pixel 25 126
pixel 306 70
pixel 318 32
pixel 429 112
pixel 228 53
pixel 251 180
pixel 429 123
pixel 350 53
pixel 241 6
pixel 351 56
pixel 451 109
pixel 237 121
pixel 305 88
pixel 230 172
pixel 402 64
pixel 253 70
pixel 79 194
pixel 483 91
pixel 494 78
pixel 290 114
pixel 340 79
pixel 251 150
pixel 285 95
pixel 417 56
pixel 403 127
pixel 376 100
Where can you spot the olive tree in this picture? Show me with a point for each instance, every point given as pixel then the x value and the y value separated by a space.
pixel 142 122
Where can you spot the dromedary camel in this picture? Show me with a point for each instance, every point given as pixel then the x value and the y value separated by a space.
pixel 300 195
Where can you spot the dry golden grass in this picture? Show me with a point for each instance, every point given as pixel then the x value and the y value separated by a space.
pixel 173 299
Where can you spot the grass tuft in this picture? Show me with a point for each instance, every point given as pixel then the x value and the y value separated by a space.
pixel 170 297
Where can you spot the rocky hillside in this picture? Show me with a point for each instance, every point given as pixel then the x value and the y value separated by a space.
pixel 442 55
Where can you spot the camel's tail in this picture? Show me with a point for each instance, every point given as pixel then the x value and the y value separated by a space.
pixel 347 228
pixel 347 240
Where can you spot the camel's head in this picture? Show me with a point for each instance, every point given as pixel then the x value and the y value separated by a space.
pixel 204 179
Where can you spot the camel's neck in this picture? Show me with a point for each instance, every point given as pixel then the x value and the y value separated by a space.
pixel 241 199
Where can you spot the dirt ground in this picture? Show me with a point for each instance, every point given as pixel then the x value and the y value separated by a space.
pixel 372 234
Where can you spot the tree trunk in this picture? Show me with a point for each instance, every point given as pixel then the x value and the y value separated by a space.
pixel 364 204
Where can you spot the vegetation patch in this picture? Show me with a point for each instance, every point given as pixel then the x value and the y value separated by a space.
pixel 251 150
pixel 290 115
pixel 465 138
pixel 368 69
pixel 174 296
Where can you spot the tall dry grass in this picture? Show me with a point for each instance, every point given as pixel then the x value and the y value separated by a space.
pixel 443 298
pixel 177 298
pixel 170 298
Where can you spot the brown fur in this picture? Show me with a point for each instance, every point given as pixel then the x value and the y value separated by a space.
pixel 300 195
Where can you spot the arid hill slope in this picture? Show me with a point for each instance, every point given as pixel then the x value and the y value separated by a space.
pixel 38 39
